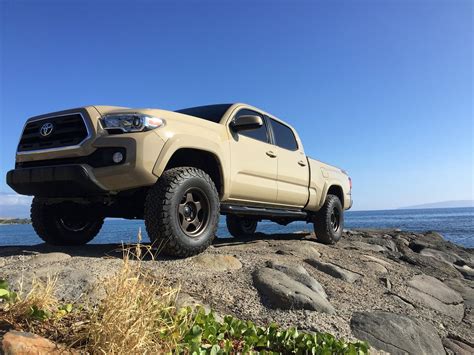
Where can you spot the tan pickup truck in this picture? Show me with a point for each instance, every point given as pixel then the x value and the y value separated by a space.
pixel 176 170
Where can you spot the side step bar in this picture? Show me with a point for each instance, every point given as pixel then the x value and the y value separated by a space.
pixel 263 212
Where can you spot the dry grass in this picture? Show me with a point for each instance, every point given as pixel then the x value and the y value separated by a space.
pixel 31 305
pixel 136 316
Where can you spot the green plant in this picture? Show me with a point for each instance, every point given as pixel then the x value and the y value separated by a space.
pixel 209 336
pixel 64 310
pixel 38 313
pixel 5 293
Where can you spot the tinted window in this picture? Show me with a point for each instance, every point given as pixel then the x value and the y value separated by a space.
pixel 284 136
pixel 212 113
pixel 258 133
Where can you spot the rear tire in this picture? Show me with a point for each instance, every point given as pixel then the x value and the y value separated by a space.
pixel 182 212
pixel 64 223
pixel 240 226
pixel 329 221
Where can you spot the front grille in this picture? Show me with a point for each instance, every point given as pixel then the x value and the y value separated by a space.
pixel 68 130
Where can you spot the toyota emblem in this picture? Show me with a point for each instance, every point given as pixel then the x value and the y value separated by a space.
pixel 46 129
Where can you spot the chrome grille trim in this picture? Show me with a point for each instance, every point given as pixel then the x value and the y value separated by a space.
pixel 61 148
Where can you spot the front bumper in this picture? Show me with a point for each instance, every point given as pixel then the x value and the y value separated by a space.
pixel 91 173
pixel 54 181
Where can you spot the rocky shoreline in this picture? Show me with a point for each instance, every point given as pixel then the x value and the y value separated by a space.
pixel 400 291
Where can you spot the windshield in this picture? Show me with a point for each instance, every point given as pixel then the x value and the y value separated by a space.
pixel 211 113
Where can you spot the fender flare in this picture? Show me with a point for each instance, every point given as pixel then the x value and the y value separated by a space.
pixel 186 141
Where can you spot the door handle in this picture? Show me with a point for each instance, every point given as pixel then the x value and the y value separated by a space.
pixel 302 163
pixel 271 154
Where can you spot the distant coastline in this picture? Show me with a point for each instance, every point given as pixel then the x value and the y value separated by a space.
pixel 443 204
pixel 8 221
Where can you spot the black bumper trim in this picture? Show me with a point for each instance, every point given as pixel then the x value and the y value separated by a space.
pixel 53 181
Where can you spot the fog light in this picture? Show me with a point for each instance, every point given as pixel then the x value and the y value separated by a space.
pixel 117 157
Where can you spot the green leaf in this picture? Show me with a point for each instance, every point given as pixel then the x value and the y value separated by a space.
pixel 3 284
pixel 215 349
pixel 67 308
pixel 39 314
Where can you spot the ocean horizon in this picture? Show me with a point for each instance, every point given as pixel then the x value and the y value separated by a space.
pixel 454 224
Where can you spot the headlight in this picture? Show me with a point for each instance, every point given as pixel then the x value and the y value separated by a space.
pixel 131 122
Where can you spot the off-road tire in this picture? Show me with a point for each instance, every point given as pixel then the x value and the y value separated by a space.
pixel 162 218
pixel 323 228
pixel 241 227
pixel 48 222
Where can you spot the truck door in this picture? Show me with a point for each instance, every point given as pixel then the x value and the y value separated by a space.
pixel 293 170
pixel 253 164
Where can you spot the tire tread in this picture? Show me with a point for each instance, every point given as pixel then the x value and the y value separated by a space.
pixel 322 225
pixel 158 211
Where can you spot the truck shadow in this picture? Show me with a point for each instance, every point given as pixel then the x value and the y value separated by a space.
pixel 148 252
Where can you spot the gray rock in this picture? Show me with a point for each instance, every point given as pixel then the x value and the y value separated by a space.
pixel 298 250
pixel 375 267
pixel 386 282
pixel 75 279
pixel 285 292
pixel 299 274
pixel 378 260
pixel 440 255
pixel 434 294
pixel 217 262
pixel 455 311
pixel 48 258
pixel 402 302
pixel 465 291
pixel 367 247
pixel 396 334
pixel 466 271
pixel 384 242
pixel 469 316
pixel 334 270
pixel 458 347
pixel 429 265
pixel 435 288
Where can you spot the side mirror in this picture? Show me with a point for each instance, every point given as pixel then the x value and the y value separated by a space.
pixel 246 122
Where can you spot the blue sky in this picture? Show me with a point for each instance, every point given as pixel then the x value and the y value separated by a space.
pixel 383 89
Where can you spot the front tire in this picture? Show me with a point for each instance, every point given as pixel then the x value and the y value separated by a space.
pixel 182 212
pixel 64 223
pixel 329 221
pixel 240 226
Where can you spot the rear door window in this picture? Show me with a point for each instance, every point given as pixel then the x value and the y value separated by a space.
pixel 283 135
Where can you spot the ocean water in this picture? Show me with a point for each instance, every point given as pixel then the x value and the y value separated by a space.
pixel 455 224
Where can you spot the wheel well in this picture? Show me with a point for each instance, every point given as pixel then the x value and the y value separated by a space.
pixel 200 159
pixel 337 191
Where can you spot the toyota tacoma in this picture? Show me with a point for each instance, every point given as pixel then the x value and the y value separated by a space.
pixel 177 170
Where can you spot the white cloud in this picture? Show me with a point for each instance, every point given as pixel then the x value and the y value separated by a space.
pixel 14 206
pixel 7 199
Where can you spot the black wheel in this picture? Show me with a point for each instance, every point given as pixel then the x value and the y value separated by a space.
pixel 241 226
pixel 182 212
pixel 329 221
pixel 64 223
